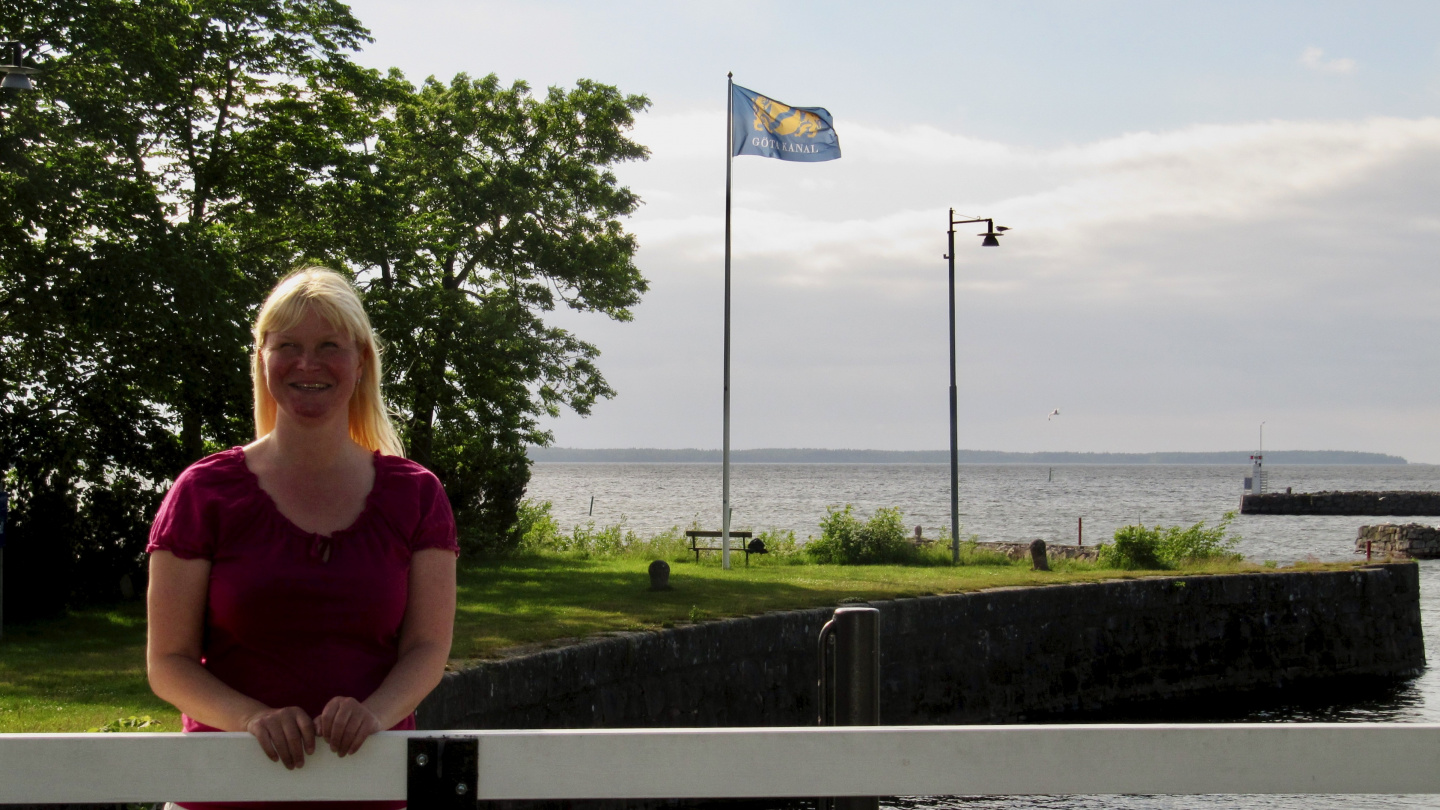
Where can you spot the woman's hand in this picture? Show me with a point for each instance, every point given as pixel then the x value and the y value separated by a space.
pixel 345 723
pixel 286 735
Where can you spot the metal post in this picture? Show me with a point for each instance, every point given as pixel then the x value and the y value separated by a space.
pixel 725 453
pixel 991 240
pixel 954 418
pixel 849 686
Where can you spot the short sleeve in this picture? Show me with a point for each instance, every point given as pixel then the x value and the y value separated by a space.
pixel 182 525
pixel 436 528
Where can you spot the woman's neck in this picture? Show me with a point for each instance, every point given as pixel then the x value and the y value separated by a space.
pixel 315 447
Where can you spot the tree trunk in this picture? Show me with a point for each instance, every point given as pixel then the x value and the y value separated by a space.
pixel 422 431
pixel 192 442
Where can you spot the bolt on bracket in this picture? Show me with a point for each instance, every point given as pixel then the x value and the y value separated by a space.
pixel 442 773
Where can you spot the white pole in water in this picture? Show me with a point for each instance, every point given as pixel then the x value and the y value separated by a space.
pixel 725 451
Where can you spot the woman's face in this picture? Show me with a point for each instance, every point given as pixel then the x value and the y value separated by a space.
pixel 311 370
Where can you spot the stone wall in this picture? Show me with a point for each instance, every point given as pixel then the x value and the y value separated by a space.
pixel 989 657
pixel 1398 503
pixel 1406 541
pixel 1055 551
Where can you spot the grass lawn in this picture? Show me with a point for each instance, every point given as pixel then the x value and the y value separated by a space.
pixel 88 668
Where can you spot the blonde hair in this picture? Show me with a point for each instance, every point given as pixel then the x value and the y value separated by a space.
pixel 332 297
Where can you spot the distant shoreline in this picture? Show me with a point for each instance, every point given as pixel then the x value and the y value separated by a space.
pixel 642 455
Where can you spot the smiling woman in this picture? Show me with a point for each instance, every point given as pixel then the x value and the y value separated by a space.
pixel 303 586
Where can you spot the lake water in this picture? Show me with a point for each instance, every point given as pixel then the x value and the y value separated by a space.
pixel 1023 502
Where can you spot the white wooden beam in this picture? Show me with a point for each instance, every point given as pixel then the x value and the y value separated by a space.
pixel 680 763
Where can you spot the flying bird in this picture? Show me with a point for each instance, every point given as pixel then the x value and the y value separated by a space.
pixel 1053 414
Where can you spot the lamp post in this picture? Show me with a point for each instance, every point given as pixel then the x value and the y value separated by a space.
pixel 992 234
pixel 17 76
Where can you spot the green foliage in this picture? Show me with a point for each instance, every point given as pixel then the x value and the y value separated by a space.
pixel 484 209
pixel 180 156
pixel 1155 548
pixel 781 547
pixel 541 535
pixel 131 723
pixel 538 528
pixel 174 160
pixel 846 540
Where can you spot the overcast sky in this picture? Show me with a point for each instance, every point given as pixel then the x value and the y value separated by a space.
pixel 1222 213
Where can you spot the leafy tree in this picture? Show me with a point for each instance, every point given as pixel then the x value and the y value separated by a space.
pixel 486 208
pixel 179 157
pixel 173 162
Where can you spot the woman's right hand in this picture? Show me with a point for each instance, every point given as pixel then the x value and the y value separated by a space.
pixel 285 735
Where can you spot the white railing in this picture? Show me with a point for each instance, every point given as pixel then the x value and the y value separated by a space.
pixel 749 762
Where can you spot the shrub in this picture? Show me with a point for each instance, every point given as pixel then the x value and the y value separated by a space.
pixel 670 544
pixel 1135 547
pixel 1157 548
pixel 541 534
pixel 781 548
pixel 845 540
pixel 537 527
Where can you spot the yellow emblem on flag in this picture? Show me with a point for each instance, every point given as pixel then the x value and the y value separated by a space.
pixel 779 119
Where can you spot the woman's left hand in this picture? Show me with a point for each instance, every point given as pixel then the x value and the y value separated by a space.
pixel 345 723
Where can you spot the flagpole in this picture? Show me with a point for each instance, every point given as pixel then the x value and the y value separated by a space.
pixel 725 452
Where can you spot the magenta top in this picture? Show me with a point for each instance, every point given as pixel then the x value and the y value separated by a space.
pixel 294 618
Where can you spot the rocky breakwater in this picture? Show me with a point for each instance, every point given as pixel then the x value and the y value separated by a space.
pixel 1055 551
pixel 1398 503
pixel 1400 541
pixel 995 656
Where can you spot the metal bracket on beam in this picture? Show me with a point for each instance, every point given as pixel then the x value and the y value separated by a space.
pixel 442 773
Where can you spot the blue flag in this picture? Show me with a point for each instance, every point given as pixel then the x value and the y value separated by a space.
pixel 765 127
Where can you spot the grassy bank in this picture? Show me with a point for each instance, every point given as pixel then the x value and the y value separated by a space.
pixel 87 669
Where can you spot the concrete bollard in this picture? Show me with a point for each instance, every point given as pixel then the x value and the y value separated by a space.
pixel 659 576
pixel 1037 555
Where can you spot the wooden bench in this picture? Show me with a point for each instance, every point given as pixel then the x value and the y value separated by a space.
pixel 743 537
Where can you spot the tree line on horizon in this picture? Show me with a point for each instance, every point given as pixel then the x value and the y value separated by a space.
pixel 821 456
pixel 178 158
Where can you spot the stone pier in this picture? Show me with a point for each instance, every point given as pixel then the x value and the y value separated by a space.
pixel 1397 503
pixel 1400 541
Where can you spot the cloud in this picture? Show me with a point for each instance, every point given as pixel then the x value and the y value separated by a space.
pixel 1165 289
pixel 1314 58
pixel 884 202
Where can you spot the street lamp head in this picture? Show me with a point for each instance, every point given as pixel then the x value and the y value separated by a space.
pixel 17 76
pixel 990 240
pixel 16 81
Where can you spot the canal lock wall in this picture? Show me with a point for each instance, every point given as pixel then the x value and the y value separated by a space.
pixel 1405 541
pixel 998 656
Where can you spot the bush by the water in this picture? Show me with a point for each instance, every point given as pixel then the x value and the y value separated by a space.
pixel 846 540
pixel 540 533
pixel 1139 547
